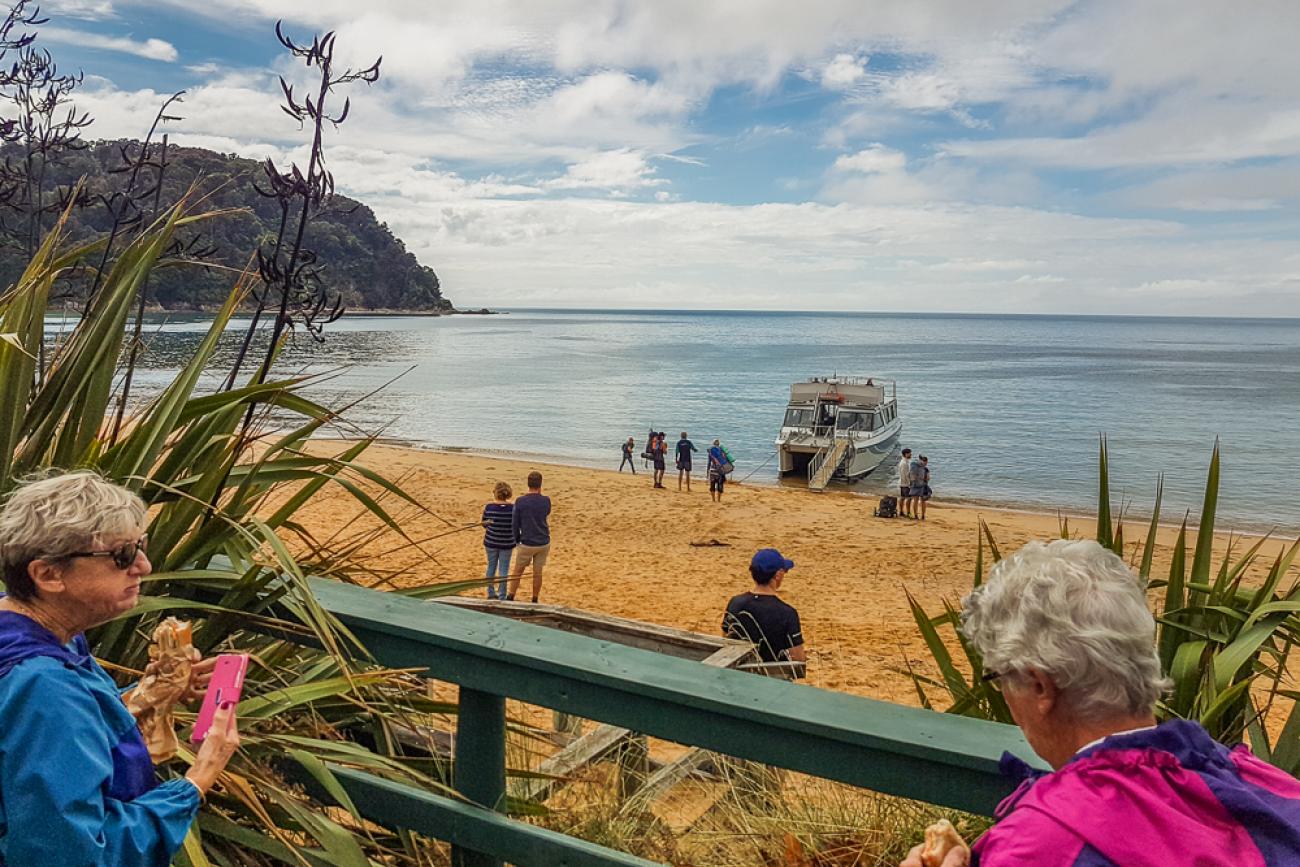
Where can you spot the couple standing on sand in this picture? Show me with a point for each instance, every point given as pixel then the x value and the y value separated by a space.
pixel 913 485
pixel 520 527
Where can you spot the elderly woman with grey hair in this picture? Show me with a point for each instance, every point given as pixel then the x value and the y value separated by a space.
pixel 1065 634
pixel 76 782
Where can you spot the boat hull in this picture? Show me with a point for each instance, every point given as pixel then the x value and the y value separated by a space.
pixel 868 452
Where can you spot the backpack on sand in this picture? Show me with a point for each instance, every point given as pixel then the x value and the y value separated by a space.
pixel 888 508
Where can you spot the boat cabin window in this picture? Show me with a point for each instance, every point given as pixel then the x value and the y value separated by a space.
pixel 797 417
pixel 850 420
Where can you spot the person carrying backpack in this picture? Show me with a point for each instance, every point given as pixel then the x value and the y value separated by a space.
pixel 719 465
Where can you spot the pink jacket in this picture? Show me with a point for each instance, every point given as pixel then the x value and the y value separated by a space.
pixel 1165 797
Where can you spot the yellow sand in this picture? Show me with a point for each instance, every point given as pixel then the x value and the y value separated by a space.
pixel 621 547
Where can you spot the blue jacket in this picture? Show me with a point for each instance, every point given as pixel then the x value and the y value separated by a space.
pixel 76 784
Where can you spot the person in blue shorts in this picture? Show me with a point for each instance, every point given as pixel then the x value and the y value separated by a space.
pixel 920 490
pixel 684 449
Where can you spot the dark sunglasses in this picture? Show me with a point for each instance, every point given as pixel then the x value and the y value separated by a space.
pixel 123 556
pixel 991 678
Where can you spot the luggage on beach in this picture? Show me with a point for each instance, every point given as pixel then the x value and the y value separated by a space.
pixel 888 508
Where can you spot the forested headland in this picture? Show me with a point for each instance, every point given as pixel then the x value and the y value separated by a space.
pixel 364 263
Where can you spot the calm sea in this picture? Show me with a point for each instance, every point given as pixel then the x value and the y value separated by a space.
pixel 1008 409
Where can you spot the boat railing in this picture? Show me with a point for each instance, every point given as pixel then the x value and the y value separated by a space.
pixel 823 454
pixel 890 385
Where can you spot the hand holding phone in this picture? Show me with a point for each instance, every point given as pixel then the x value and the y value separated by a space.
pixel 225 687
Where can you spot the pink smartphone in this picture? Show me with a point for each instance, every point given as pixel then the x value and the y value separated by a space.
pixel 226 684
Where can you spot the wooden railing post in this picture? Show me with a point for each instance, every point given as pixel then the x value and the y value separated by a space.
pixel 480 770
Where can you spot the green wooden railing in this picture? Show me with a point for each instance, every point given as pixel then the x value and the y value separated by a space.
pixel 919 754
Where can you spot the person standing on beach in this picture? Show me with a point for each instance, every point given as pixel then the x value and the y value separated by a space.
pixel 628 448
pixel 684 449
pixel 532 535
pixel 763 619
pixel 905 483
pixel 920 486
pixel 717 478
pixel 498 539
pixel 659 455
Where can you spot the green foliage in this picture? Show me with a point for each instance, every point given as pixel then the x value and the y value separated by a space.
pixel 227 552
pixel 1224 645
pixel 366 264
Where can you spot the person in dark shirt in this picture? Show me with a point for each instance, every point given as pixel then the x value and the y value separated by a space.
pixel 658 454
pixel 628 448
pixel 498 539
pixel 532 535
pixel 760 617
pixel 684 449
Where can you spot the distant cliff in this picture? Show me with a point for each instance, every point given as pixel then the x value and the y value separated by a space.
pixel 363 262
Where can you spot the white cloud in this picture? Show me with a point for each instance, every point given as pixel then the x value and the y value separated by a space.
pixel 150 49
pixel 619 172
pixel 843 71
pixel 88 10
pixel 842 257
pixel 500 131
pixel 874 159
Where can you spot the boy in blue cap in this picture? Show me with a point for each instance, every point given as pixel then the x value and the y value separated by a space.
pixel 760 617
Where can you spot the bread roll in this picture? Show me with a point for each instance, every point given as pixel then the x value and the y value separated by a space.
pixel 940 839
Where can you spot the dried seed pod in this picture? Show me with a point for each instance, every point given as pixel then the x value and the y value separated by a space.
pixel 165 681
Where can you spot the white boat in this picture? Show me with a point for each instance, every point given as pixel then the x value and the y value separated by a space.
pixel 838 427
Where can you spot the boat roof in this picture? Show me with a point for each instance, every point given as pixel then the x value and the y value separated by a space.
pixel 858 390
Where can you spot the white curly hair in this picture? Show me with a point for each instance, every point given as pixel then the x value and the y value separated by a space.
pixel 1074 611
pixel 51 517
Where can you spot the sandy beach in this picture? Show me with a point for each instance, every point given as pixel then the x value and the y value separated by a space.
pixel 621 547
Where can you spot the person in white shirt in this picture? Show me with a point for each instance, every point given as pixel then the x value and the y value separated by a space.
pixel 905 483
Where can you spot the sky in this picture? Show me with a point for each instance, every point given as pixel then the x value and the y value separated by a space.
pixel 1103 157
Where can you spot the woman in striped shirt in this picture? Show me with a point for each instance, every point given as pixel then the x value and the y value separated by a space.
pixel 498 540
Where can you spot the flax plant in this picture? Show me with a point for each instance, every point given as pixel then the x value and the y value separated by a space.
pixel 229 554
pixel 1225 643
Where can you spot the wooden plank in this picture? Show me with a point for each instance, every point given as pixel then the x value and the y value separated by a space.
pixel 604 740
pixel 732 655
pixel 634 633
pixel 670 775
pixel 943 759
pixel 468 826
pixel 591 747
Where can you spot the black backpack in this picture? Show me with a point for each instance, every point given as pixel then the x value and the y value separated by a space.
pixel 888 508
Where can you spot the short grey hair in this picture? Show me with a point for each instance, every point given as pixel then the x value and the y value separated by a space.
pixel 52 517
pixel 1074 611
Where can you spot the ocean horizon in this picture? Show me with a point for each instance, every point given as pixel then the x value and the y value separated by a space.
pixel 1008 407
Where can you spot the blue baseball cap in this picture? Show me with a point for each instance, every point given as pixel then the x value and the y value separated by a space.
pixel 769 560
